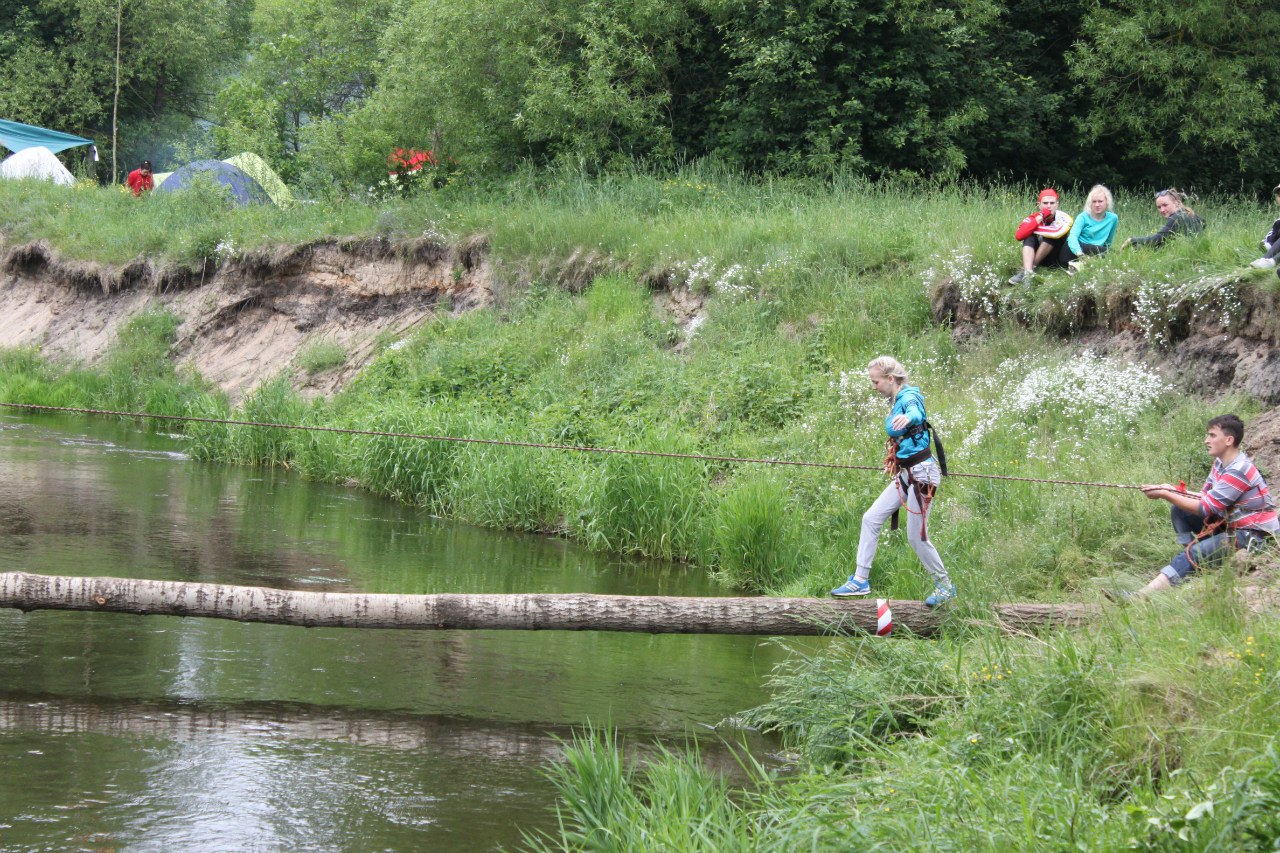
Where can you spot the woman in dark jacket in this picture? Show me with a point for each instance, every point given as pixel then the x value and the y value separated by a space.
pixel 1178 219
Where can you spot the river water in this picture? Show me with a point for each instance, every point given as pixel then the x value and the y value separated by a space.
pixel 151 733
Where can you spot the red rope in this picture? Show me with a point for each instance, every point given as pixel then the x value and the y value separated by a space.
pixel 568 447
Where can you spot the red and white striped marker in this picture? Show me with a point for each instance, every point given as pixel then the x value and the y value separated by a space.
pixel 884 618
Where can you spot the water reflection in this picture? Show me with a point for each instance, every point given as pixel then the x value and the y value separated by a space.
pixel 123 732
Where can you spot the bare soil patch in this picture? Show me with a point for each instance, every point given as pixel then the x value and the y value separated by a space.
pixel 247 320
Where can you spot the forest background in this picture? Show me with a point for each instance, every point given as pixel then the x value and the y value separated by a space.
pixel 1128 92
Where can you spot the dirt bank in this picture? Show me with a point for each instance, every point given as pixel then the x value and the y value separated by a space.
pixel 247 320
pixel 1205 351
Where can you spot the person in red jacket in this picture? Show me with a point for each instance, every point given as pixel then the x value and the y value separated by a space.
pixel 1043 235
pixel 140 179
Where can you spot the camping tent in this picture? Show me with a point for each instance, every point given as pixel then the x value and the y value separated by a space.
pixel 17 137
pixel 258 169
pixel 244 189
pixel 36 163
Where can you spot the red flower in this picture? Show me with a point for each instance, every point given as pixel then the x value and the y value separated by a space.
pixel 409 160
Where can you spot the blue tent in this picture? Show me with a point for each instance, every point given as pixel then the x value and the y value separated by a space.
pixel 16 137
pixel 244 189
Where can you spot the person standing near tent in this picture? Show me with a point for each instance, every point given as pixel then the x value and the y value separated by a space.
pixel 140 179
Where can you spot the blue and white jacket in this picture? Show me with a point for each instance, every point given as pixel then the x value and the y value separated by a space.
pixel 908 401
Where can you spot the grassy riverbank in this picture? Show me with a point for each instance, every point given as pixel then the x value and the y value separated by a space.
pixel 1083 740
pixel 1154 730
pixel 802 284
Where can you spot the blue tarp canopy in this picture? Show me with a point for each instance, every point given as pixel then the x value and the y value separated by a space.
pixel 244 189
pixel 16 137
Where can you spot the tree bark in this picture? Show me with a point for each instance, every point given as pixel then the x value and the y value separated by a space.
pixel 532 612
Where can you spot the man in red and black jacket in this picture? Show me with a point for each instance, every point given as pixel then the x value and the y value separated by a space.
pixel 140 179
pixel 1043 234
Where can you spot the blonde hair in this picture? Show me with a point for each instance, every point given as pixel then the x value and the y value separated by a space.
pixel 887 365
pixel 1104 192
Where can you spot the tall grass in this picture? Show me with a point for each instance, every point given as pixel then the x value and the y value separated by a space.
pixel 1153 729
pixel 670 804
pixel 803 282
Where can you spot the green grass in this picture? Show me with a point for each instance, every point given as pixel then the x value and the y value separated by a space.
pixel 1154 730
pixel 1110 737
pixel 804 283
pixel 319 356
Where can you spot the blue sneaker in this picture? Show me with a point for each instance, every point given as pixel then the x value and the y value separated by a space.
pixel 940 595
pixel 852 587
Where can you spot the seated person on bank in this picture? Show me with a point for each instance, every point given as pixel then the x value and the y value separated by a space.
pixel 1232 510
pixel 1270 243
pixel 1093 230
pixel 1178 219
pixel 1043 235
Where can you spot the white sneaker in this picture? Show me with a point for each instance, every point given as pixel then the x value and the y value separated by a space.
pixel 1073 267
pixel 1264 264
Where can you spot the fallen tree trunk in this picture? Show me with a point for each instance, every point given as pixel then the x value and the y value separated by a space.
pixel 534 612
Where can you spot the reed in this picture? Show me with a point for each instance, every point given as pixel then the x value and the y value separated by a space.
pixel 1152 731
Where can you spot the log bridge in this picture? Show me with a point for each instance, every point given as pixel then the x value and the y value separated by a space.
pixel 526 612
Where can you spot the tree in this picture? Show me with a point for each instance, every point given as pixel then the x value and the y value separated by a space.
pixel 58 61
pixel 1182 92
pixel 873 85
pixel 308 59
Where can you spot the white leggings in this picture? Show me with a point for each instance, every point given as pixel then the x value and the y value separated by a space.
pixel 875 517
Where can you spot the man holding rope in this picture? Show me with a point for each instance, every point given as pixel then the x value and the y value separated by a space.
pixel 1233 510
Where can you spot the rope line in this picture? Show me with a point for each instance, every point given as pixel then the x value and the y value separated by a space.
pixel 576 448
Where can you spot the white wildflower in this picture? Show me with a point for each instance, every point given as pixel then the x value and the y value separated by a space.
pixel 1086 397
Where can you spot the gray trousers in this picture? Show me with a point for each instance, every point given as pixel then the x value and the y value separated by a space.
pixel 875 517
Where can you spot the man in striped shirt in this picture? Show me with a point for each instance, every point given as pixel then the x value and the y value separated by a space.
pixel 1233 509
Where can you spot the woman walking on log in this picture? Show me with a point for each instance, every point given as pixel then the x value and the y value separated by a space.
pixel 916 475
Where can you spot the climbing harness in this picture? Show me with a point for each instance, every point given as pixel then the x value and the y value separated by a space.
pixel 1213 526
pixel 905 482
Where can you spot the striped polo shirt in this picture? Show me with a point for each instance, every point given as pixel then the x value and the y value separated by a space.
pixel 1238 492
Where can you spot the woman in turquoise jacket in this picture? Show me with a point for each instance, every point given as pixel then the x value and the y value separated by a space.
pixel 1093 230
pixel 916 475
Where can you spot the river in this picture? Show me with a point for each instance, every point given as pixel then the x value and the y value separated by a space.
pixel 137 733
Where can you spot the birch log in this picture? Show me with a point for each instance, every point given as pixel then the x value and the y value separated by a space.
pixel 529 612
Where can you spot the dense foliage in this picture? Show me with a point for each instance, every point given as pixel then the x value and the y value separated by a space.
pixel 797 284
pixel 57 65
pixel 1127 91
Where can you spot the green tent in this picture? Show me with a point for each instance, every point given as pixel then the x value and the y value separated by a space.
pixel 18 137
pixel 257 168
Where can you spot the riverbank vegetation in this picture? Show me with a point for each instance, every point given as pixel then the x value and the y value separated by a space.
pixel 689 257
pixel 1152 729
pixel 786 289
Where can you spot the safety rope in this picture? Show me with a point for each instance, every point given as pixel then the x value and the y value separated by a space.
pixel 567 447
